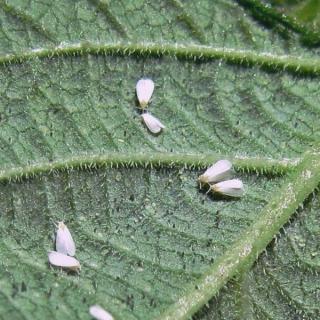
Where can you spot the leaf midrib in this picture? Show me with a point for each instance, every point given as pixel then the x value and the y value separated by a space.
pixel 290 64
pixel 245 250
pixel 274 215
pixel 266 166
pixel 269 61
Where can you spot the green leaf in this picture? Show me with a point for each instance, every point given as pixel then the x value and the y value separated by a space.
pixel 283 283
pixel 302 17
pixel 235 80
pixel 306 11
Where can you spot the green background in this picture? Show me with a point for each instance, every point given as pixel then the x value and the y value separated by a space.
pixel 233 79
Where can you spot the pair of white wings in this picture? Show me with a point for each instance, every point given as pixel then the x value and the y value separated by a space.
pixel 64 241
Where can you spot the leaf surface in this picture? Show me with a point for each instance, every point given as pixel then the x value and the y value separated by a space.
pixel 152 245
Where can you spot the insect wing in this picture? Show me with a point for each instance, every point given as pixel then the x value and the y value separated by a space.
pixel 144 90
pixel 231 188
pixel 99 313
pixel 219 171
pixel 152 123
pixel 58 259
pixel 64 241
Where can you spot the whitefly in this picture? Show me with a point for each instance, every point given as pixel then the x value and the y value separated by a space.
pixel 99 313
pixel 152 123
pixel 64 241
pixel 231 188
pixel 144 89
pixel 219 171
pixel 63 261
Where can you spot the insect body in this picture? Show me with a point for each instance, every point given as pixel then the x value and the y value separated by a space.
pixel 152 123
pixel 231 188
pixel 99 313
pixel 64 241
pixel 61 260
pixel 217 172
pixel 144 88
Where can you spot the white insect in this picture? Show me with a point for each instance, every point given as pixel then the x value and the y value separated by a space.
pixel 99 313
pixel 217 172
pixel 144 90
pixel 64 241
pixel 231 188
pixel 61 260
pixel 152 123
